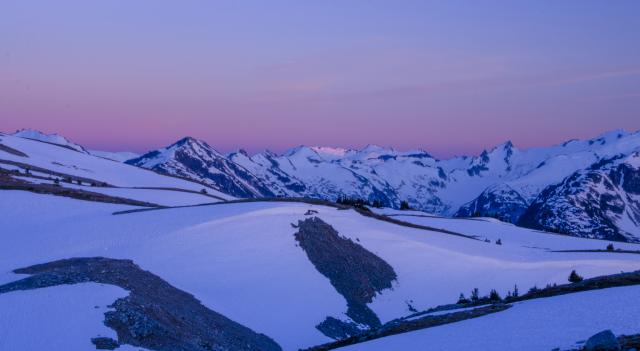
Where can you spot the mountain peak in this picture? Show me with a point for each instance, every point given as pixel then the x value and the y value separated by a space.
pixel 186 140
pixel 333 151
pixel 298 150
pixel 375 148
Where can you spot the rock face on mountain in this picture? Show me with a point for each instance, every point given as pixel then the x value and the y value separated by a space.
pixel 602 202
pixel 499 201
pixel 195 159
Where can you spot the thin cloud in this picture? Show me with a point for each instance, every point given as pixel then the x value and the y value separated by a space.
pixel 597 76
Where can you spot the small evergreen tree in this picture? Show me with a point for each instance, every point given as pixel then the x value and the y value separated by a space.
pixel 494 296
pixel 462 300
pixel 404 205
pixel 575 277
pixel 499 242
pixel 610 247
pixel 204 191
pixel 475 295
pixel 515 291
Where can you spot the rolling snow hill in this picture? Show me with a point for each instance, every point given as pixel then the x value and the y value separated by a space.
pixel 28 163
pixel 246 262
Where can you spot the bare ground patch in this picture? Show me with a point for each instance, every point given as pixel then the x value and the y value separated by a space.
pixel 356 273
pixel 155 315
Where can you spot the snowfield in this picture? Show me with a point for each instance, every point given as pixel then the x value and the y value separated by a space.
pixel 510 234
pixel 241 259
pixel 57 318
pixel 541 324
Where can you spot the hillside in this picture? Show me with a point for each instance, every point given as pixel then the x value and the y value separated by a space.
pixel 46 167
pixel 243 260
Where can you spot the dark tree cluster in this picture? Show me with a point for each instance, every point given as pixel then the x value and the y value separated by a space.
pixel 359 203
pixel 476 299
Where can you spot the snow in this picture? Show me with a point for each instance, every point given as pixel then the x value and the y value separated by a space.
pixel 85 165
pixel 60 318
pixel 49 138
pixel 239 260
pixel 511 235
pixel 162 197
pixel 242 259
pixel 119 156
pixel 434 268
pixel 330 153
pixel 541 324
pixel 443 312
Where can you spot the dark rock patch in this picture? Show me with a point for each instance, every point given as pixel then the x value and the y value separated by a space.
pixel 12 151
pixel 354 272
pixel 103 343
pixel 501 202
pixel 405 326
pixel 603 341
pixel 630 342
pixel 155 315
pixel 337 329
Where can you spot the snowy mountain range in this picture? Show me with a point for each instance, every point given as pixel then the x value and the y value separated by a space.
pixel 502 182
pixel 511 184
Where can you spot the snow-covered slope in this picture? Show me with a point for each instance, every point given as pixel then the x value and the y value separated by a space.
pixel 42 163
pixel 243 260
pixel 555 323
pixel 119 156
pixel 49 138
pixel 58 139
pixel 59 318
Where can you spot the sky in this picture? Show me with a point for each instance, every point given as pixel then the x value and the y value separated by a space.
pixel 451 77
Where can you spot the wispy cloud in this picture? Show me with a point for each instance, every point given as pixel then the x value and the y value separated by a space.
pixel 597 76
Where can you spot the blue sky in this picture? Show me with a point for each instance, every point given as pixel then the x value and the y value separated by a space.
pixel 451 77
